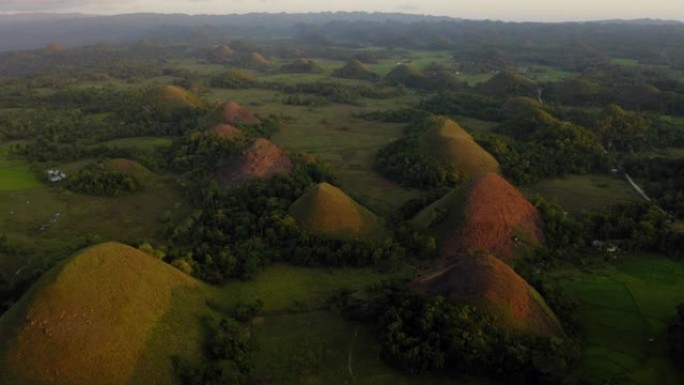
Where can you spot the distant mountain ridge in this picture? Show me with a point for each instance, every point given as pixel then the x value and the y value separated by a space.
pixel 26 31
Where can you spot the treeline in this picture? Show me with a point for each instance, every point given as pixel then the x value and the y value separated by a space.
pixel 228 350
pixel 233 233
pixel 662 179
pixel 95 179
pixel 640 227
pixel 405 162
pixel 419 335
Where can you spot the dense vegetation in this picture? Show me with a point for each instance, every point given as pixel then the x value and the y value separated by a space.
pixel 547 101
pixel 676 336
pixel 420 334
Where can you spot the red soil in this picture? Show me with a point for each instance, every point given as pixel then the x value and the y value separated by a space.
pixel 233 113
pixel 486 281
pixel 262 160
pixel 495 212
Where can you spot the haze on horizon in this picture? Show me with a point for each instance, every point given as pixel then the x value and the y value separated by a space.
pixel 520 10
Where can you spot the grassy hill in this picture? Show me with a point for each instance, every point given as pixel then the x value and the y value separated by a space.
pixel 230 113
pixel 110 314
pixel 301 66
pixel 261 160
pixel 487 215
pixel 354 69
pixel 485 281
pixel 406 75
pixel 254 60
pixel 448 142
pixel 326 209
pixel 176 97
pixel 128 167
pixel 225 131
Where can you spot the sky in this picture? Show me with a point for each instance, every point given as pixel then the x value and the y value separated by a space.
pixel 510 10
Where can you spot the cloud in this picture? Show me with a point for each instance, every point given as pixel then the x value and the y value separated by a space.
pixel 57 5
pixel 409 7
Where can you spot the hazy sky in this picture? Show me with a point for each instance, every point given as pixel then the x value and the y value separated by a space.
pixel 517 10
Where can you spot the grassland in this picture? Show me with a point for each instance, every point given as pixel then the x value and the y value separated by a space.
pixel 322 348
pixel 547 73
pixel 15 174
pixel 584 192
pixel 335 136
pixel 50 222
pixel 624 311
pixel 135 295
pixel 300 342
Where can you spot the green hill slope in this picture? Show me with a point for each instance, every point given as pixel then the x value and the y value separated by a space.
pixel 326 209
pixel 110 314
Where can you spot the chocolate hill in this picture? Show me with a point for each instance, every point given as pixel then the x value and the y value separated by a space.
pixel 487 282
pixel 110 314
pixel 301 66
pixel 127 166
pixel 488 215
pixel 221 54
pixel 254 61
pixel 406 75
pixel 175 97
pixel 224 131
pixel 354 69
pixel 326 209
pixel 261 160
pixel 447 142
pixel 231 113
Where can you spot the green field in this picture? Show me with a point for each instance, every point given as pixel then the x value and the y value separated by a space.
pixel 624 313
pixel 323 348
pixel 15 174
pixel 300 342
pixel 346 143
pixel 584 192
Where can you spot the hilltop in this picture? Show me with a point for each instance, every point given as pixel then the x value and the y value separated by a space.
pixel 450 143
pixel 261 160
pixel 488 215
pixel 301 66
pixel 326 209
pixel 487 282
pixel 128 167
pixel 354 69
pixel 224 131
pixel 435 152
pixel 406 75
pixel 176 97
pixel 253 60
pixel 110 314
pixel 231 113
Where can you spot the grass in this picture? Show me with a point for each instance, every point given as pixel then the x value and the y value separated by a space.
pixel 323 348
pixel 624 311
pixel 327 209
pixel 625 62
pixel 285 289
pixel 450 144
pixel 15 174
pixel 55 334
pixel 51 223
pixel 331 133
pixel 548 73
pixel 584 192
pixel 301 342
